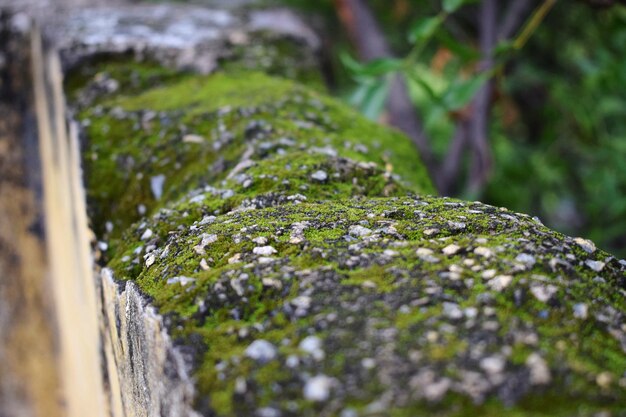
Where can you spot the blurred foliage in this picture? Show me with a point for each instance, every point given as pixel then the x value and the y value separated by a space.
pixel 558 125
pixel 559 131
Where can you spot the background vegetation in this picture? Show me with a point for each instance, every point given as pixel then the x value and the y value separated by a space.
pixel 553 87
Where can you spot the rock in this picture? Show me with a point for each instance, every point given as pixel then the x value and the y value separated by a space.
pixel 435 391
pixel 359 231
pixel 318 388
pixel 303 302
pixel 147 234
pixel 604 379
pixel 180 280
pixel 526 259
pixel 156 185
pixel 451 249
pixel 297 232
pixel 587 245
pixel 261 351
pixel 264 250
pixel 543 292
pixel 580 311
pixel 489 273
pixel 268 412
pixel 452 310
pixel 190 138
pixel 426 255
pixel 484 252
pixel 149 260
pixel 234 259
pixel 500 282
pixel 206 240
pixel 493 364
pixel 261 240
pixel 310 344
pixel 313 346
pixel 595 265
pixel 320 176
pixel 539 371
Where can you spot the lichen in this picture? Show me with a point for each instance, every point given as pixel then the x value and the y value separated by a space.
pixel 284 216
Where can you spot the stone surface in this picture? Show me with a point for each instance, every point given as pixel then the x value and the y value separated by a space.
pixel 149 376
pixel 374 299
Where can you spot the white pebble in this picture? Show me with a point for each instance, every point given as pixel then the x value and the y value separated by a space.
pixel 320 176
pixel 150 258
pixel 156 185
pixel 482 251
pixel 587 245
pixel 182 280
pixel 264 250
pixel 359 231
pixel 451 249
pixel 595 265
pixel 543 292
pixel 500 282
pixel 493 364
pixel 261 351
pixel 581 311
pixel 146 235
pixel 318 388
pixel 539 371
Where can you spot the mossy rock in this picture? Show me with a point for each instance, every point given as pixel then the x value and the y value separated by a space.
pixel 297 257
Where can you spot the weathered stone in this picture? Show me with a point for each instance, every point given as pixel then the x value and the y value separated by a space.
pixel 320 294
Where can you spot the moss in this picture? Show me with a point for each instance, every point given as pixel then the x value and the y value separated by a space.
pixel 136 137
pixel 254 164
pixel 375 284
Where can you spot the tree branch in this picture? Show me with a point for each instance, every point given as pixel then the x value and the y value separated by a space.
pixel 451 165
pixel 479 126
pixel 370 42
pixel 513 18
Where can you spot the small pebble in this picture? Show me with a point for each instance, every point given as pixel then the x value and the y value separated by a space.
pixel 451 249
pixel 482 251
pixel 587 245
pixel 359 231
pixel 320 176
pixel 264 250
pixel 261 351
pixel 452 310
pixel 493 364
pixel 147 234
pixel 318 388
pixel 595 265
pixel 543 292
pixel 580 311
pixel 539 371
pixel 156 185
pixel 500 282
pixel 193 139
pixel 150 258
pixel 182 280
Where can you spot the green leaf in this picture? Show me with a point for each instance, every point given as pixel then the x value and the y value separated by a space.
pixel 350 63
pixel 416 80
pixel 503 48
pixel 371 98
pixel 423 29
pixel 374 68
pixel 450 6
pixel 382 66
pixel 358 95
pixel 465 52
pixel 461 93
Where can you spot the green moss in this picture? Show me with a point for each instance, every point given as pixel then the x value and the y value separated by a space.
pixel 251 162
pixel 136 137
